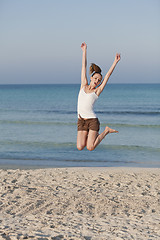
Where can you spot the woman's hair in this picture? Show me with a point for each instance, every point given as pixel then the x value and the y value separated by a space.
pixel 94 69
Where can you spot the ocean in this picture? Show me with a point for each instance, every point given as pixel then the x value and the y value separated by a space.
pixel 38 126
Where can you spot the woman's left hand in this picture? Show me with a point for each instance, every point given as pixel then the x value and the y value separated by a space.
pixel 117 57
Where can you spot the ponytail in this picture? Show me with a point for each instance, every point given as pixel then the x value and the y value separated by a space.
pixel 94 69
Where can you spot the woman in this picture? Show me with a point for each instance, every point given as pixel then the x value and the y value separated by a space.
pixel 88 124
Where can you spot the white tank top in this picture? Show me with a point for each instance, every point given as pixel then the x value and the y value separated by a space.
pixel 86 103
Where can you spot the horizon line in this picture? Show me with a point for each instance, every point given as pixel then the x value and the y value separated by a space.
pixel 1 84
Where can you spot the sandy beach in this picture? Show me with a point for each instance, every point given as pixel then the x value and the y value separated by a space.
pixel 80 203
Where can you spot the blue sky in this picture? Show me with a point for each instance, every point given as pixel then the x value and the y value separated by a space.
pixel 40 40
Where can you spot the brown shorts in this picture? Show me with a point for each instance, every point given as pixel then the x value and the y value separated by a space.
pixel 88 124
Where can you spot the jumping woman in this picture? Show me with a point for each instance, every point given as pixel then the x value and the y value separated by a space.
pixel 88 123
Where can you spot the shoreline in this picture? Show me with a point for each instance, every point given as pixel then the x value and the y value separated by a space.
pixel 93 203
pixel 34 167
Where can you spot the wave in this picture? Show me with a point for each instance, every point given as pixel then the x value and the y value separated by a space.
pixel 72 145
pixel 131 125
pixel 38 144
pixel 64 111
pixel 52 159
pixel 48 111
pixel 130 147
pixel 130 112
pixel 59 123
pixel 25 122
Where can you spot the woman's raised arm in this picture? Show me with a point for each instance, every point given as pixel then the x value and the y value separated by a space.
pixel 106 78
pixel 84 81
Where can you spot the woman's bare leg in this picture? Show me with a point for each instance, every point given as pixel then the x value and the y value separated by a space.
pixel 81 139
pixel 94 138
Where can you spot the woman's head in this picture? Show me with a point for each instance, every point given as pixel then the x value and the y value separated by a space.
pixel 96 76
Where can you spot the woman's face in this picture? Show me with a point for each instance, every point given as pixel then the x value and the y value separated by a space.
pixel 96 80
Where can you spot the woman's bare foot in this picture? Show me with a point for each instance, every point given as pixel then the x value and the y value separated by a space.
pixel 110 130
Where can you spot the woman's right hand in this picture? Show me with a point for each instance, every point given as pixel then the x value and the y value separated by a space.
pixel 83 46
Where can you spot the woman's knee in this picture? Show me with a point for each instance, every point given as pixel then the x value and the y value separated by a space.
pixel 80 147
pixel 90 147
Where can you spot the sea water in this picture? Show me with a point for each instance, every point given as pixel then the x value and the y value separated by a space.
pixel 38 126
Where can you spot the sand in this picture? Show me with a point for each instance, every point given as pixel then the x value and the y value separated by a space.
pixel 80 203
